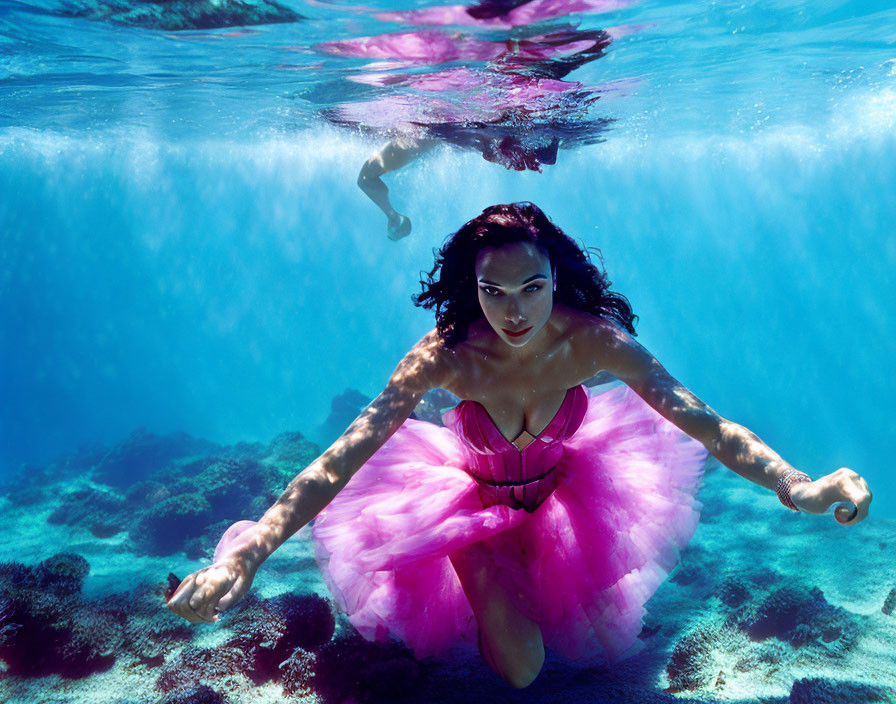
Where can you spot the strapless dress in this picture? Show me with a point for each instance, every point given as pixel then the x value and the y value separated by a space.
pixel 581 526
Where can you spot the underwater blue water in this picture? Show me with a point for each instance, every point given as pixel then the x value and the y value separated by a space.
pixel 184 246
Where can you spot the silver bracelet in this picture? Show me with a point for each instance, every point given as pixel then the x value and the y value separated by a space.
pixel 787 479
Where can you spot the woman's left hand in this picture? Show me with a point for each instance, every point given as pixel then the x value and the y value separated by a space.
pixel 844 485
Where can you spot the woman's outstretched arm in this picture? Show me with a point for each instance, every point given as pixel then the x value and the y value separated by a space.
pixel 217 587
pixel 610 348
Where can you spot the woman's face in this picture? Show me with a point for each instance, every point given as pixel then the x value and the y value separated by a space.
pixel 515 290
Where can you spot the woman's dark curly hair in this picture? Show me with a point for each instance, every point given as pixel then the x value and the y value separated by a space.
pixel 451 288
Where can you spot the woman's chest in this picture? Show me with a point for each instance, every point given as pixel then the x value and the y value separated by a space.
pixel 516 402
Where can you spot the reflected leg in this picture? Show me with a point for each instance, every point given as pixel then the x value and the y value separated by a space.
pixel 398 153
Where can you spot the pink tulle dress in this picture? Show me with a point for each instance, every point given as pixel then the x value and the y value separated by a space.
pixel 580 526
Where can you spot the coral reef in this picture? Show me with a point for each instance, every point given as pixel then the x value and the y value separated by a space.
pixel 268 631
pixel 193 665
pixel 765 577
pixel 187 513
pixel 297 673
pixel 203 694
pixel 697 569
pixel 293 448
pixel 28 486
pixel 245 450
pixel 150 631
pixel 289 639
pixel 822 691
pixel 63 573
pixel 757 623
pixel 202 546
pixel 145 494
pixel 82 459
pixel 171 500
pixel 734 592
pixel 164 528
pixel 232 486
pixel 103 513
pixel 800 616
pixel 693 661
pixel 46 628
pixel 761 629
pixel 306 621
pixel 143 453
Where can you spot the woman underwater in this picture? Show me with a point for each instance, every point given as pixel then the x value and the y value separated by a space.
pixel 541 515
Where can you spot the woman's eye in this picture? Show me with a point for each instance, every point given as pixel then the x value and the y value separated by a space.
pixel 533 288
pixel 490 290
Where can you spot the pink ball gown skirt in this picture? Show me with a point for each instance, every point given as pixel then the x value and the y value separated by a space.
pixel 580 527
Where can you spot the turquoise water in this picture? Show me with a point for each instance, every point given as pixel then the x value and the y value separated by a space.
pixel 184 247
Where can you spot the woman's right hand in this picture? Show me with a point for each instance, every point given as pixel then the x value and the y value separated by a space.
pixel 205 593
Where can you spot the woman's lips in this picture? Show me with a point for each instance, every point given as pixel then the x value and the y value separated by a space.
pixel 517 334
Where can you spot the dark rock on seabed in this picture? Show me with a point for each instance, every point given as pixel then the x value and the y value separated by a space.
pixel 889 603
pixel 201 694
pixel 351 668
pixel 801 616
pixel 63 573
pixel 344 408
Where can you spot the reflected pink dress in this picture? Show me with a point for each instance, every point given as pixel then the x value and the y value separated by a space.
pixel 580 527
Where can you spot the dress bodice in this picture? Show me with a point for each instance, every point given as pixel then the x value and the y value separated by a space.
pixel 505 474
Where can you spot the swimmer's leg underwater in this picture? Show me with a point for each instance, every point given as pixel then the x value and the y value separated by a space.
pixel 509 641
pixel 395 155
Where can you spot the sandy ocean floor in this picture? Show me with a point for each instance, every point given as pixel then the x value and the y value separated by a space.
pixel 746 548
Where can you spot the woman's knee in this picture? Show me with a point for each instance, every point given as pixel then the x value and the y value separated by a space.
pixel 522 680
pixel 372 169
pixel 522 674
pixel 509 642
pixel 518 661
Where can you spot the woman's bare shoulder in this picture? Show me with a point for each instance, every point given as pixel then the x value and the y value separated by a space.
pixel 429 364
pixel 579 325
pixel 592 340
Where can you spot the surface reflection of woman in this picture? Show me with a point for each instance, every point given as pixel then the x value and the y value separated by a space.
pixel 516 113
pixel 542 514
pixel 502 14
